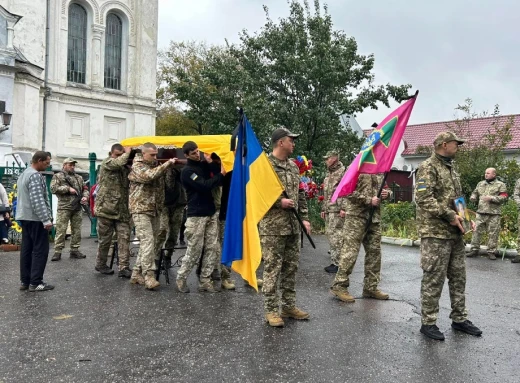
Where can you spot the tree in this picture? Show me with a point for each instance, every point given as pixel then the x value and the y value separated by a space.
pixel 173 122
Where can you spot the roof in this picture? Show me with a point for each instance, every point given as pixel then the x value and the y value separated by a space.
pixel 424 134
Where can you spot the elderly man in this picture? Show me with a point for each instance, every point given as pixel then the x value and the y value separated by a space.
pixel 146 203
pixel 490 194
pixel 280 235
pixel 72 192
pixel 111 210
pixel 331 212
pixel 441 231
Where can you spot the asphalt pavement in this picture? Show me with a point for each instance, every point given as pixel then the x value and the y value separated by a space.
pixel 96 328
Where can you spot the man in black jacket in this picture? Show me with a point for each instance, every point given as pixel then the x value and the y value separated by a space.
pixel 201 225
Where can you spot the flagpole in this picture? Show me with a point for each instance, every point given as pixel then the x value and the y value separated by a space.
pixel 373 208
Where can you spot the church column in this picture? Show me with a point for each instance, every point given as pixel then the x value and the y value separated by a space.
pixel 97 55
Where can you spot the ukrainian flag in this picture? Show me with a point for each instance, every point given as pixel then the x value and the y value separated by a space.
pixel 255 187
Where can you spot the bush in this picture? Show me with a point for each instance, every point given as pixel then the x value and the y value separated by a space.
pixel 397 214
pixel 317 224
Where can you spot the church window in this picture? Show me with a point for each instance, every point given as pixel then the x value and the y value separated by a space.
pixel 77 44
pixel 113 48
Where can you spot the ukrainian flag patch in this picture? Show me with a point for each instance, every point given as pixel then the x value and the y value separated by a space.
pixel 194 176
pixel 421 185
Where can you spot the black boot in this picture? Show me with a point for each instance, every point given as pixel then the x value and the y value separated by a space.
pixel 332 269
pixel 432 331
pixel 467 327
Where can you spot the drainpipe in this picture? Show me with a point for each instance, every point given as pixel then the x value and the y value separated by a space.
pixel 47 91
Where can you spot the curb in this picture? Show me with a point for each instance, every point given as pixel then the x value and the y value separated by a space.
pixel 509 253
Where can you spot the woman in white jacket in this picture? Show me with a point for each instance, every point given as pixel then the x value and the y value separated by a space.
pixel 4 202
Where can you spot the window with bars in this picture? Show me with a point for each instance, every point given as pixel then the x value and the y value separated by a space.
pixel 77 45
pixel 113 47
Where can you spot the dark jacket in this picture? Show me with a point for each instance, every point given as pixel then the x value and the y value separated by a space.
pixel 196 179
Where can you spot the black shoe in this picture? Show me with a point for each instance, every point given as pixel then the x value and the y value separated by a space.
pixel 56 257
pixel 105 270
pixel 215 275
pixel 467 327
pixel 77 254
pixel 125 273
pixel 333 269
pixel 182 243
pixel 23 287
pixel 432 331
pixel 41 287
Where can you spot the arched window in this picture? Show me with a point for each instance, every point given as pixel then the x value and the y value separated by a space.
pixel 77 47
pixel 113 47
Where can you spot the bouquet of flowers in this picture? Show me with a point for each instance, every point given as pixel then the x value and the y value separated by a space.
pixel 306 183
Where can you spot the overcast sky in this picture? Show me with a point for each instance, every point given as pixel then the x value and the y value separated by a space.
pixel 449 50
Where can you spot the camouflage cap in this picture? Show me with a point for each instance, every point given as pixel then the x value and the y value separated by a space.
pixel 443 137
pixel 69 160
pixel 331 153
pixel 280 133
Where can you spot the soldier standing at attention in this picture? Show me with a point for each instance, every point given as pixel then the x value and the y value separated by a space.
pixel 331 212
pixel 111 210
pixel 442 245
pixel 280 235
pixel 146 203
pixel 490 195
pixel 72 192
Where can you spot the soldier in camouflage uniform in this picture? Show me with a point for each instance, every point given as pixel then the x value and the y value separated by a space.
pixel 71 191
pixel 442 245
pixel 146 203
pixel 516 197
pixel 490 195
pixel 201 226
pixel 280 235
pixel 331 212
pixel 357 231
pixel 111 210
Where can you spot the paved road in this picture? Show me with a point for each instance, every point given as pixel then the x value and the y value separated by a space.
pixel 118 332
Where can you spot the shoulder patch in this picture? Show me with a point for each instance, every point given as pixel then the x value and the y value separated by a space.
pixel 194 176
pixel 421 185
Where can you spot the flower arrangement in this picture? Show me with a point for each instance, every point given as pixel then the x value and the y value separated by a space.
pixel 310 187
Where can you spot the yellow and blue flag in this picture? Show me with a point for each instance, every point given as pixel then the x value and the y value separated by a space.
pixel 254 189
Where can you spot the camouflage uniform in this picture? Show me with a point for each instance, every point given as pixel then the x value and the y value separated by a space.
pixel 488 213
pixel 516 197
pixel 225 272
pixel 442 246
pixel 146 203
pixel 167 219
pixel 69 208
pixel 357 207
pixel 111 210
pixel 280 240
pixel 333 221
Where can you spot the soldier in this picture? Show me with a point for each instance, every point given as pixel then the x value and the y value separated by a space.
pixel 442 245
pixel 356 231
pixel 146 202
pixel 516 197
pixel 72 192
pixel 111 209
pixel 489 194
pixel 201 224
pixel 280 235
pixel 331 212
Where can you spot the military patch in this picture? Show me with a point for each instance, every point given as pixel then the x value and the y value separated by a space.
pixel 421 185
pixel 194 176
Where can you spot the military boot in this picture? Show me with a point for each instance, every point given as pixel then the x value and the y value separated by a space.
pixel 77 254
pixel 493 255
pixel 432 332
pixel 149 280
pixel 125 273
pixel 104 269
pixel 375 294
pixel 182 286
pixel 274 320
pixel 56 257
pixel 207 287
pixel 472 253
pixel 137 277
pixel 342 295
pixel 516 259
pixel 294 313
pixel 228 284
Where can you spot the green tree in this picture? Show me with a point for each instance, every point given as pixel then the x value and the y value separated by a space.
pixel 173 122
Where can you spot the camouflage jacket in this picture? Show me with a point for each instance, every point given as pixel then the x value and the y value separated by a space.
pixel 437 185
pixel 146 187
pixel 280 221
pixel 497 190
pixel 359 203
pixel 112 195
pixel 330 184
pixel 60 185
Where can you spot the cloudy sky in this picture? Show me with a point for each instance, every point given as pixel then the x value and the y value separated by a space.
pixel 449 50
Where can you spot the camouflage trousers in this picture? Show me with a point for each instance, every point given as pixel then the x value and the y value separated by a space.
pixel 225 272
pixel 353 234
pixel 106 228
pixel 281 254
pixel 62 221
pixel 177 214
pixel 166 232
pixel 492 223
pixel 146 227
pixel 441 258
pixel 334 225
pixel 201 233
